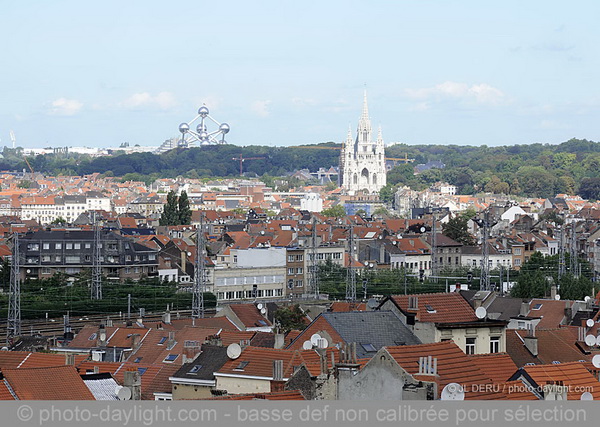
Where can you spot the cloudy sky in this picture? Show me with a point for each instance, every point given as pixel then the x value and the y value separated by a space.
pixel 293 72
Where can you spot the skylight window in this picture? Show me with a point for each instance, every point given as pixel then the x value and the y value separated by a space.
pixel 241 366
pixel 171 358
pixel 537 306
pixel 195 369
pixel 138 360
pixel 142 371
pixel 162 340
pixel 369 347
pixel 556 362
pixel 92 337
pixel 430 309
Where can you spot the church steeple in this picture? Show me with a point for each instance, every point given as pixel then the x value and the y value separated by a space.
pixel 365 111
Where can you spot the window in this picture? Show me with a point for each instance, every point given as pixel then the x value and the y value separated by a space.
pixel 537 306
pixel 162 340
pixel 517 251
pixel 299 283
pixel 57 258
pixel 470 348
pixel 33 247
pixel 195 369
pixel 518 261
pixel 494 344
pixel 171 358
pixel 69 246
pixel 430 309
pixel 300 270
pixel 138 360
pixel 142 371
pixel 46 246
pixel 77 246
pixel 369 347
pixel 291 270
pixel 88 245
pixel 290 258
pixel 300 257
pixel 74 259
pixel 241 365
pixel 46 258
pixel 58 246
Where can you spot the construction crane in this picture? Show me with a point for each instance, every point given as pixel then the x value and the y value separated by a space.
pixel 242 159
pixel 14 141
pixel 316 147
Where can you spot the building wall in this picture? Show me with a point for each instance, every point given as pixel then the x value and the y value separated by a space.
pixel 240 385
pixel 231 284
pixel 191 392
pixel 482 337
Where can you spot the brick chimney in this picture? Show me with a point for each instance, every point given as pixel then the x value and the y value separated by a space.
pixel 133 381
pixel 277 384
pixel 531 341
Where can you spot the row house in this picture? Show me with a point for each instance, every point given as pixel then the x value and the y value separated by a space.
pixel 38 208
pixel 70 207
pixel 299 266
pixel 96 201
pixel 48 252
pixel 146 205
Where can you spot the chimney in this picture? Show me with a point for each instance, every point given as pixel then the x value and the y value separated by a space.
pixel 524 309
pixel 109 322
pixel 568 312
pixel 214 340
pixel 183 260
pixel 555 390
pixel 427 365
pixel 191 350
pixel 477 300
pixel 553 292
pixel 413 303
pixel 279 341
pixel 96 369
pixel 69 359
pixel 133 381
pixel 277 384
pixel 171 341
pixel 101 336
pixel 531 341
pixel 166 317
pixel 135 341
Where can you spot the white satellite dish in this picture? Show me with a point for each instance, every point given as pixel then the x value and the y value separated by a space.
pixel 372 303
pixel 423 229
pixel 263 311
pixel 307 345
pixel 189 254
pixel 323 343
pixel 399 236
pixel 598 340
pixel 596 361
pixel 233 351
pixel 590 340
pixel 589 323
pixel 453 391
pixel 123 393
pixel 586 396
pixel 314 339
pixel 102 336
pixel 259 306
pixel 587 298
pixel 557 297
pixel 481 312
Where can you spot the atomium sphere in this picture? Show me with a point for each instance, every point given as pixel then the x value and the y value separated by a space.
pixel 184 127
pixel 200 128
pixel 203 111
pixel 224 128
pixel 203 135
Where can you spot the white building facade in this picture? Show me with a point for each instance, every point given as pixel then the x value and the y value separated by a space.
pixel 362 161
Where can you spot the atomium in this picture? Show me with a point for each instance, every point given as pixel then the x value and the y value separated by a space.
pixel 202 135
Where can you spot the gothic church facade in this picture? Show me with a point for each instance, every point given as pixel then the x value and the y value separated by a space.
pixel 362 161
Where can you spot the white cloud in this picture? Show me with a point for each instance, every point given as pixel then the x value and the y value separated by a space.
pixel 304 102
pixel 65 107
pixel 478 93
pixel 144 100
pixel 261 108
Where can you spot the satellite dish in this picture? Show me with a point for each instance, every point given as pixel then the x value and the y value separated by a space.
pixel 596 361
pixel 399 236
pixel 557 297
pixel 314 339
pixel 587 298
pixel 233 351
pixel 263 311
pixel 123 393
pixel 102 336
pixel 590 340
pixel 394 242
pixel 307 345
pixel 598 340
pixel 423 229
pixel 586 396
pixel 323 343
pixel 481 312
pixel 589 323
pixel 259 306
pixel 189 254
pixel 453 391
pixel 372 303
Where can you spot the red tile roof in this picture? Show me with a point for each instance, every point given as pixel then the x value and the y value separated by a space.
pixel 447 307
pixel 249 315
pixel 55 383
pixel 5 393
pixel 498 367
pixel 574 375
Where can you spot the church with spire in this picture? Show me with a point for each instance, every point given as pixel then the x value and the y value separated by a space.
pixel 362 161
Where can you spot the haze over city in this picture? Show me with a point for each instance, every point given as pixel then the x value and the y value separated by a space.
pixel 285 73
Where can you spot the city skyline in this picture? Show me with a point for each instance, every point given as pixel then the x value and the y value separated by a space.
pixel 290 74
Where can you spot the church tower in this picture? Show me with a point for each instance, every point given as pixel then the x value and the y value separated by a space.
pixel 362 161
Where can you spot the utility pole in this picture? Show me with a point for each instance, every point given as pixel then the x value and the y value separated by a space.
pixel 434 264
pixel 562 269
pixel 485 225
pixel 199 273
pixel 128 306
pixel 96 262
pixel 573 251
pixel 14 303
pixel 314 262
pixel 351 272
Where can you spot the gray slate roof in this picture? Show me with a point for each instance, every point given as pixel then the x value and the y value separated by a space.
pixel 378 328
pixel 210 360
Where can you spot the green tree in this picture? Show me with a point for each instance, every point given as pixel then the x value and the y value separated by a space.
pixel 457 229
pixel 386 194
pixel 183 209
pixel 336 211
pixel 170 214
pixel 290 318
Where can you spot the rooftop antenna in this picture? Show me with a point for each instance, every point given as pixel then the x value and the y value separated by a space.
pixel 96 261
pixel 351 272
pixel 561 253
pixel 485 225
pixel 14 303
pixel 13 138
pixel 573 251
pixel 199 273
